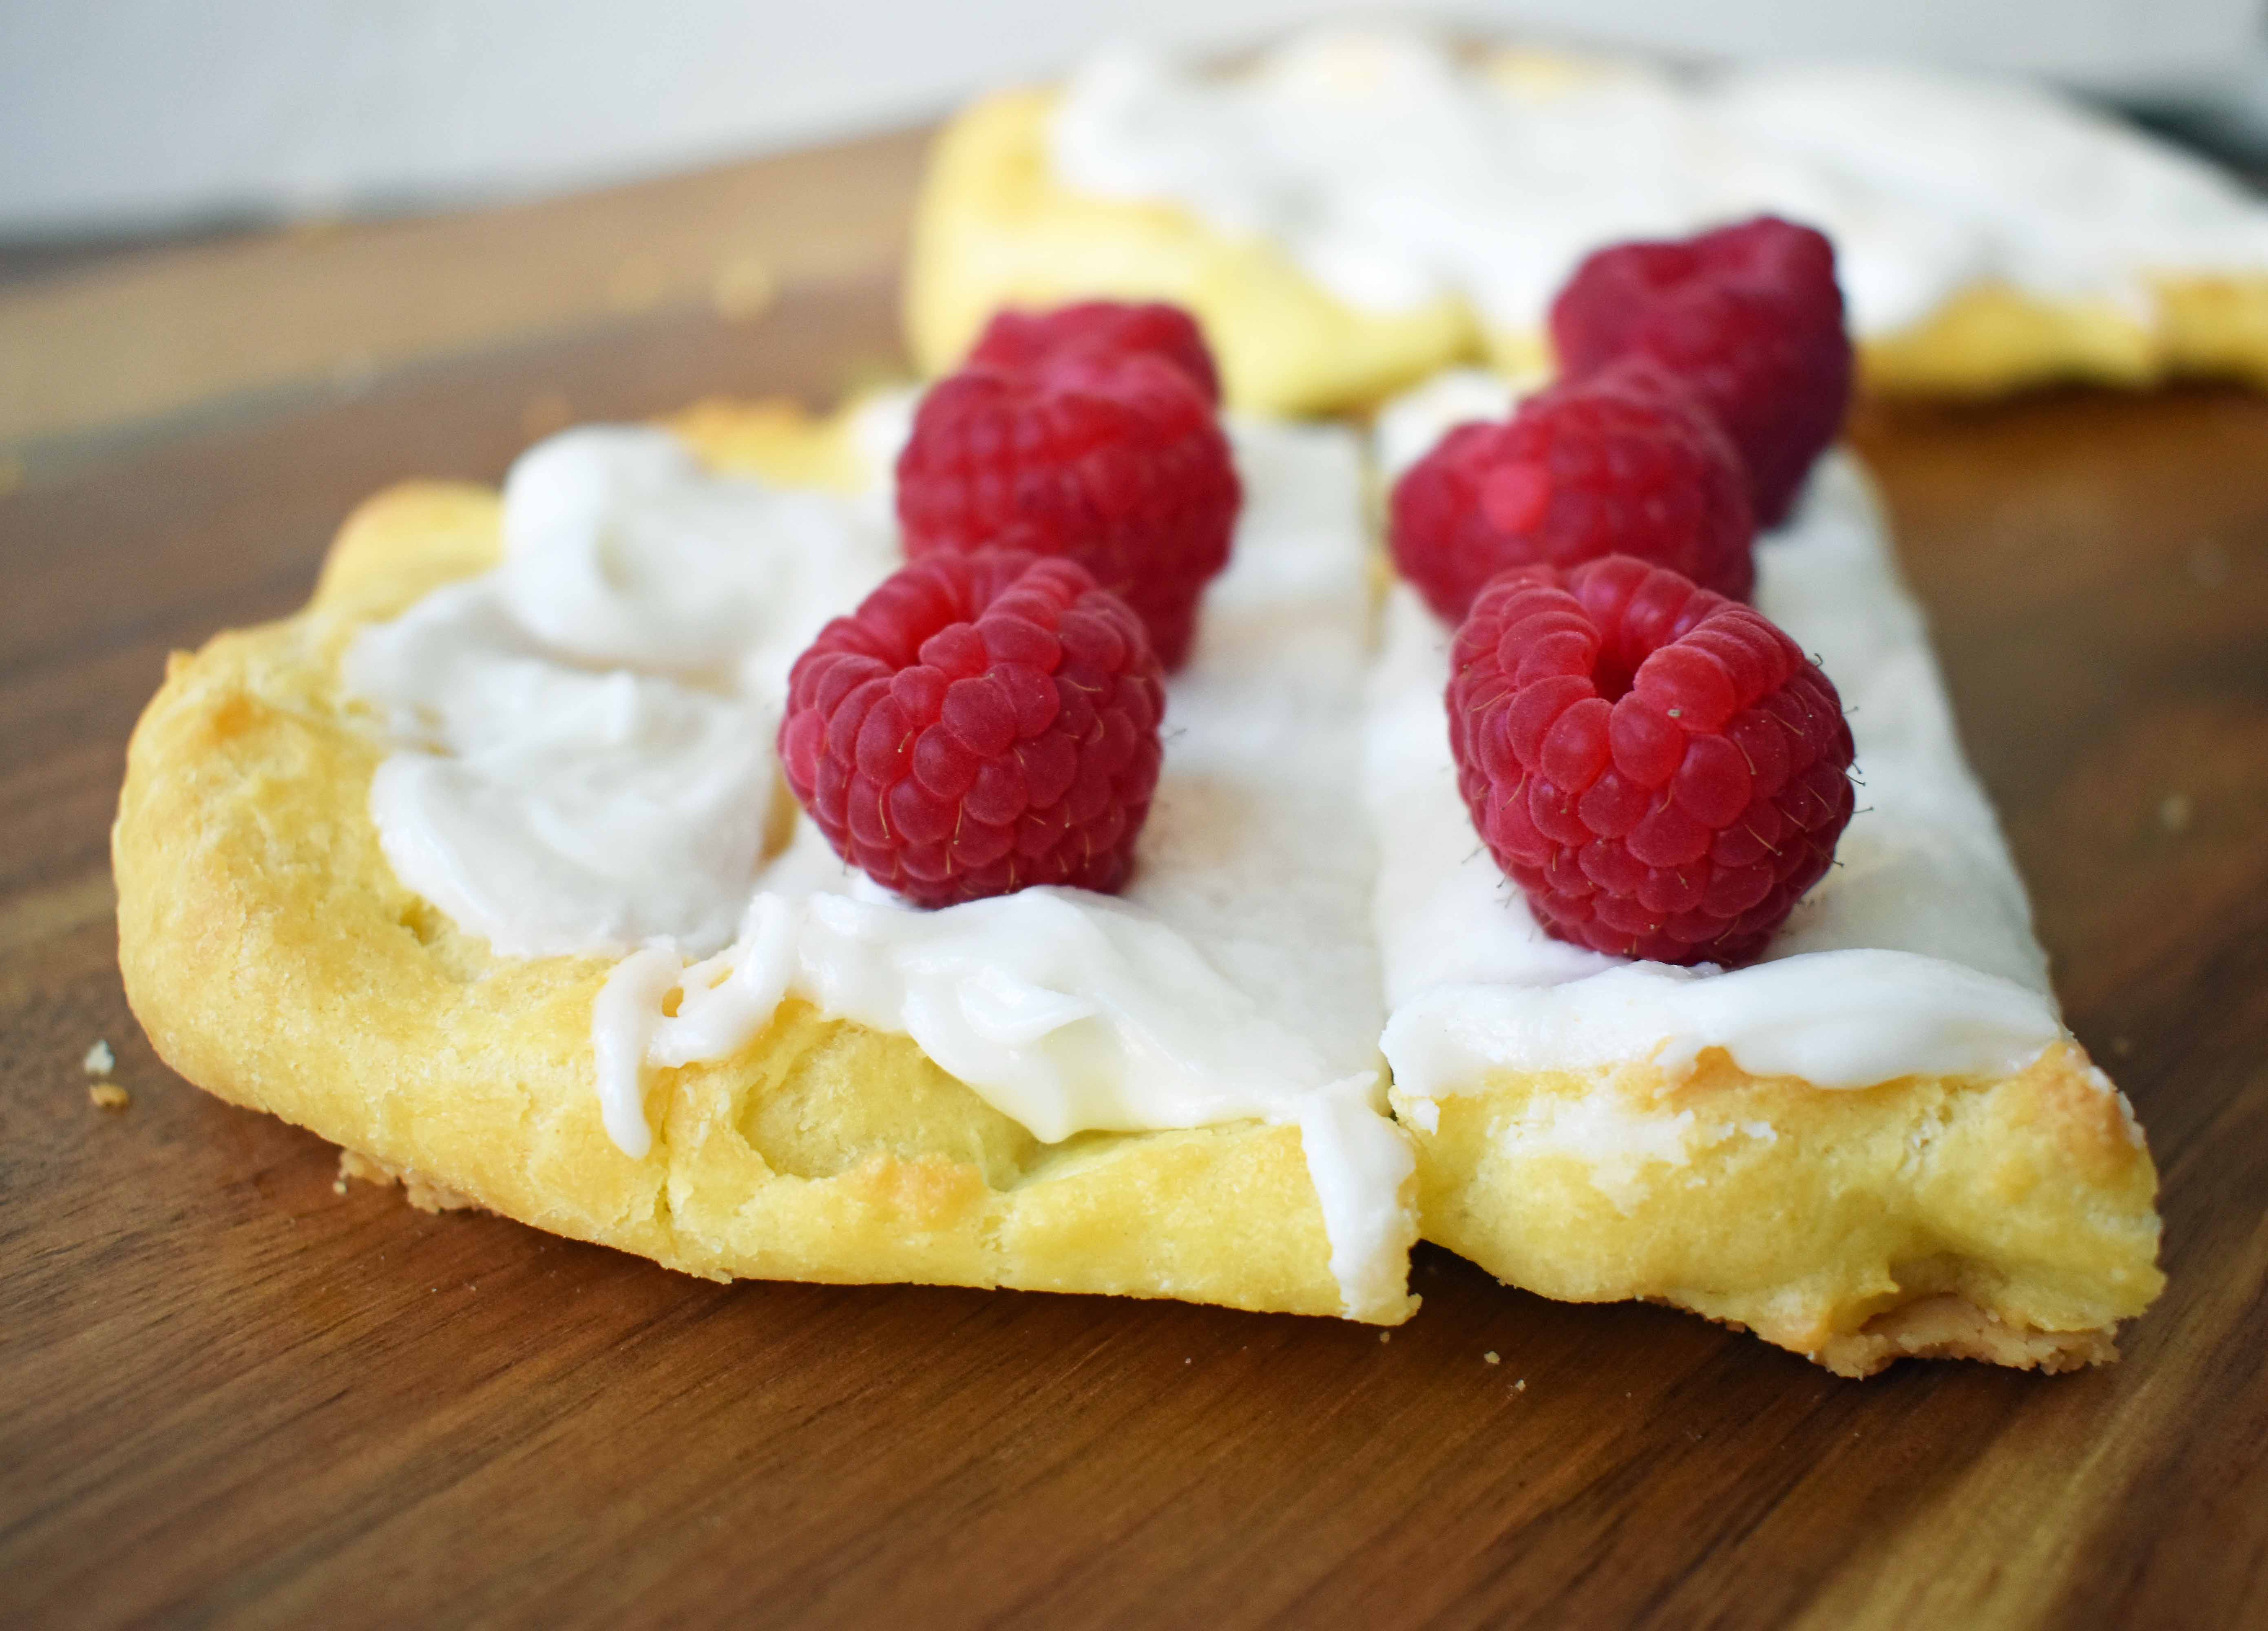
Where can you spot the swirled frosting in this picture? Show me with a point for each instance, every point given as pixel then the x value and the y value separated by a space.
pixel 1396 172
pixel 583 762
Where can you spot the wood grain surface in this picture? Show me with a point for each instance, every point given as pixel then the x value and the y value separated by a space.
pixel 231 1394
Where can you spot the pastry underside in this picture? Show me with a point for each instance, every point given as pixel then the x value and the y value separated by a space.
pixel 2006 1219
pixel 995 228
pixel 276 962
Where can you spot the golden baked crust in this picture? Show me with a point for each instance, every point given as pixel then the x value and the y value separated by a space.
pixel 1992 339
pixel 275 960
pixel 995 228
pixel 2007 1220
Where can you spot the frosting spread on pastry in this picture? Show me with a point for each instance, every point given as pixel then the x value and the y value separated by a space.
pixel 583 762
pixel 1914 956
pixel 1394 172
pixel 583 735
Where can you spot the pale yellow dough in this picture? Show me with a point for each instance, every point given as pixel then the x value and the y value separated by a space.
pixel 2007 1220
pixel 995 228
pixel 275 961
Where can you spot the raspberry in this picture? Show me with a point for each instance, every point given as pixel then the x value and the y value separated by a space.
pixel 1022 341
pixel 1114 460
pixel 1748 316
pixel 1624 462
pixel 1660 769
pixel 980 724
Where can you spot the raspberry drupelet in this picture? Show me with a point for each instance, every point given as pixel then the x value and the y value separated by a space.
pixel 1021 341
pixel 1749 317
pixel 1623 462
pixel 981 724
pixel 1116 460
pixel 1660 770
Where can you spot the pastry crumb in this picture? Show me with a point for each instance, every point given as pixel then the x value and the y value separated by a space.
pixel 99 1060
pixel 1386 1336
pixel 2175 811
pixel 743 289
pixel 421 1193
pixel 108 1096
pixel 1493 1358
pixel 1520 1386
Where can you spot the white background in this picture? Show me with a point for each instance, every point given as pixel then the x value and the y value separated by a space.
pixel 124 114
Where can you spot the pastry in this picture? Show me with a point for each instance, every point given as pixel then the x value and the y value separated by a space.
pixel 1877 1140
pixel 1353 212
pixel 454 869
pixel 519 864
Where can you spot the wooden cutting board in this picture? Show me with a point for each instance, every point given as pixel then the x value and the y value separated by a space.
pixel 230 1392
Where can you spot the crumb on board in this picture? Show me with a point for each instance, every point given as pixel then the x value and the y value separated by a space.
pixel 1493 1358
pixel 99 1060
pixel 743 289
pixel 2175 811
pixel 1520 1386
pixel 108 1096
pixel 1386 1336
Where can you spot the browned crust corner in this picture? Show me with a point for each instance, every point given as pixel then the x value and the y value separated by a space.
pixel 1946 1326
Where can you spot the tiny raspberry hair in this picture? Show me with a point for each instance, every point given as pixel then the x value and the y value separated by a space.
pixel 1660 770
pixel 1020 341
pixel 1750 317
pixel 980 724
pixel 1625 462
pixel 1116 461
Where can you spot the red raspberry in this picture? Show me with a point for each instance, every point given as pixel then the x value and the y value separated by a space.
pixel 981 724
pixel 1624 462
pixel 1115 461
pixel 1660 769
pixel 1022 341
pixel 1748 316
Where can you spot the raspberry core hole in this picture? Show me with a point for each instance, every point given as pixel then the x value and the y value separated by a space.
pixel 1614 675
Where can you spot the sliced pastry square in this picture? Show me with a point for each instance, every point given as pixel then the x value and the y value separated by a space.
pixel 483 867
pixel 1353 211
pixel 1877 1139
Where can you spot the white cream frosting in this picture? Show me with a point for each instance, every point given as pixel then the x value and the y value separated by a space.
pixel 585 734
pixel 1394 173
pixel 585 753
pixel 1915 955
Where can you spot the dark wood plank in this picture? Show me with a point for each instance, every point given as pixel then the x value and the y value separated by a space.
pixel 235 1395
